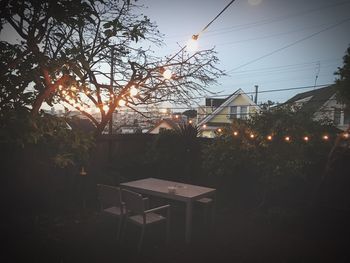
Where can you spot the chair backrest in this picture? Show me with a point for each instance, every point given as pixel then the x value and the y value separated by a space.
pixel 133 201
pixel 108 195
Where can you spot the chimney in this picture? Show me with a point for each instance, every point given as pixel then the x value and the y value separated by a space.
pixel 256 94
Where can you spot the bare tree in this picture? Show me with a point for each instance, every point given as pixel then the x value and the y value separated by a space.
pixel 92 54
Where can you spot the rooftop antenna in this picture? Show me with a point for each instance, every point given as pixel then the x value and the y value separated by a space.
pixel 318 68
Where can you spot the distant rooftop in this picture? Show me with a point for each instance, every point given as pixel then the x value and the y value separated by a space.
pixel 314 99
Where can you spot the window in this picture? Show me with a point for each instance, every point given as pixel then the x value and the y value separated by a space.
pixel 337 115
pixel 244 112
pixel 238 112
pixel 233 112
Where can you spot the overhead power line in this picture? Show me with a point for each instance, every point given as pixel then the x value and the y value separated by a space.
pixel 289 45
pixel 265 21
pixel 253 92
pixel 272 90
pixel 288 66
pixel 206 27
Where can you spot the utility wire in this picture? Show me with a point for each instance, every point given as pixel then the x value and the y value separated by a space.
pixel 206 27
pixel 269 36
pixel 252 92
pixel 273 20
pixel 289 45
pixel 273 90
pixel 287 67
pixel 195 37
pixel 266 21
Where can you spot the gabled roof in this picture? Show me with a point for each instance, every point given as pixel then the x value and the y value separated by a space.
pixel 171 122
pixel 226 102
pixel 214 102
pixel 314 99
pixel 84 125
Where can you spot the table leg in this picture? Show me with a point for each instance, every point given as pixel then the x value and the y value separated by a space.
pixel 213 209
pixel 188 221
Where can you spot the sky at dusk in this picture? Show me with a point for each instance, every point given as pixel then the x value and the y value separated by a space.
pixel 275 44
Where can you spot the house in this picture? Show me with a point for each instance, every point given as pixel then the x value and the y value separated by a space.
pixel 129 129
pixel 322 105
pixel 221 112
pixel 168 124
pixel 83 125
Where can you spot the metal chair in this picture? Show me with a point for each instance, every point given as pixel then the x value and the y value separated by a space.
pixel 111 203
pixel 139 214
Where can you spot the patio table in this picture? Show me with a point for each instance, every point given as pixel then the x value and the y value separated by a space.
pixel 186 193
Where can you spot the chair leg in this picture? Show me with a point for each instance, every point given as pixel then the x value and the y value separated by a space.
pixel 123 229
pixel 120 223
pixel 167 233
pixel 141 239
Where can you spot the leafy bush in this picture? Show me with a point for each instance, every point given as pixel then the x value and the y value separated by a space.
pixel 257 170
pixel 42 157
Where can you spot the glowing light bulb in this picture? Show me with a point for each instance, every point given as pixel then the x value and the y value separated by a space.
pixel 252 136
pixel 306 138
pixel 346 135
pixel 105 107
pixel 121 102
pixel 287 138
pixel 167 74
pixel 325 137
pixel 219 130
pixel 204 126
pixel 235 133
pixel 269 138
pixel 190 121
pixel 133 91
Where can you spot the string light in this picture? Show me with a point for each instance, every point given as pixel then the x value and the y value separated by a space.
pixel 252 136
pixel 235 133
pixel 167 74
pixel 133 91
pixel 306 138
pixel 121 102
pixel 105 107
pixel 219 130
pixel 325 137
pixel 287 139
pixel 269 137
